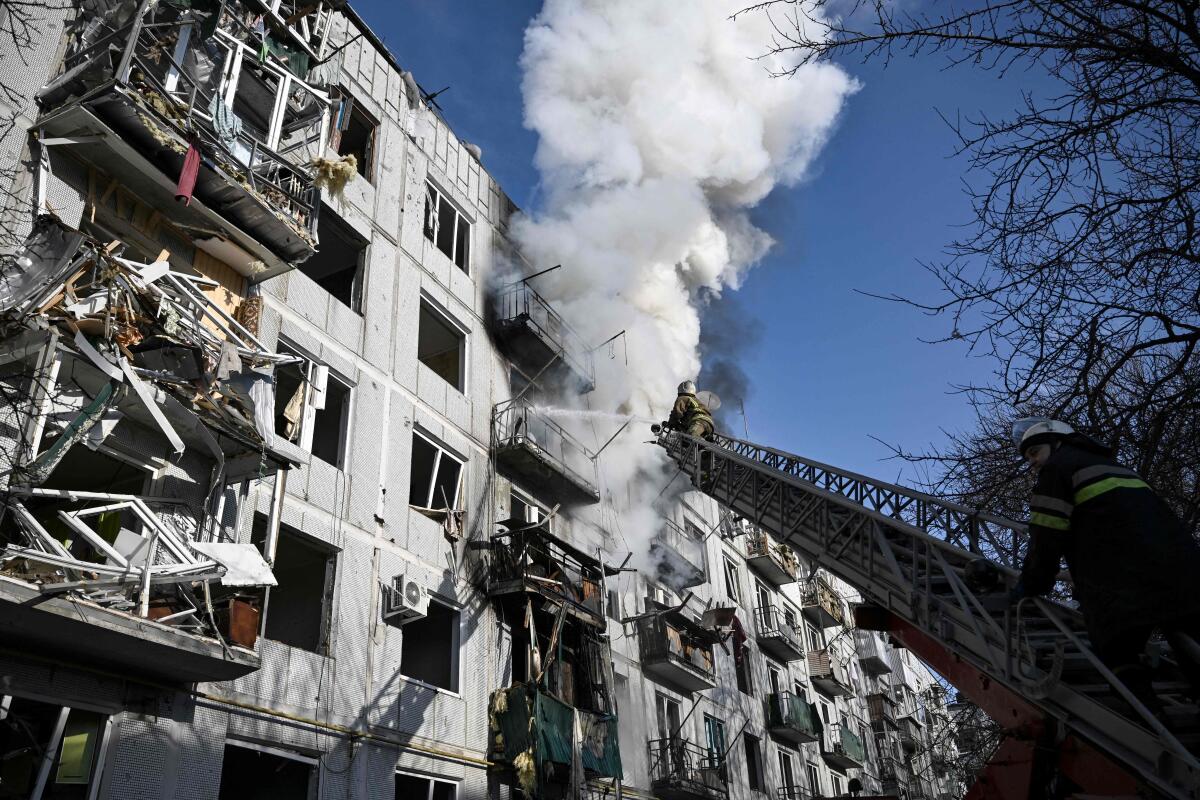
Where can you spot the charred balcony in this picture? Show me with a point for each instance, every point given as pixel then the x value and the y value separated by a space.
pixel 677 651
pixel 821 604
pixel 528 559
pixel 678 556
pixel 843 746
pixel 537 451
pixel 175 93
pixel 776 637
pixel 774 562
pixel 828 673
pixel 792 718
pixel 537 338
pixel 872 656
pixel 681 770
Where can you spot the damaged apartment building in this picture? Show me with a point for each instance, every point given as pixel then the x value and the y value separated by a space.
pixel 281 514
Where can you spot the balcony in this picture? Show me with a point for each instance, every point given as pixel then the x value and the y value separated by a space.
pixel 131 101
pixel 910 733
pixel 881 710
pixel 680 770
pixel 821 604
pixel 523 720
pixel 843 746
pixel 532 333
pixel 774 562
pixel 678 557
pixel 535 450
pixel 531 560
pixel 775 636
pixel 872 653
pixel 794 793
pixel 791 718
pixel 893 776
pixel 828 673
pixel 114 587
pixel 676 651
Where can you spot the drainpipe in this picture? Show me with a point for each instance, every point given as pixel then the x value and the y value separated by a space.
pixel 273 519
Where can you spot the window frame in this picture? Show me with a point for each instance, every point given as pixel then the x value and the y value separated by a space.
pixel 440 450
pixel 456 650
pixel 435 193
pixel 756 774
pixel 732 579
pixel 328 590
pixel 464 333
pixel 317 375
pixel 432 781
pixel 787 767
pixel 366 172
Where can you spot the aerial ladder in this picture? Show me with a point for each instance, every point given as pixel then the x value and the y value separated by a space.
pixel 1072 728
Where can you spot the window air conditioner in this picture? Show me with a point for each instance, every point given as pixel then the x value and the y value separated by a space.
pixel 406 600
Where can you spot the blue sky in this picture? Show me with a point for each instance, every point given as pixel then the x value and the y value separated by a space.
pixel 833 368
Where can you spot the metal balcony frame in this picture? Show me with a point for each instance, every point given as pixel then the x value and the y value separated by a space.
pixel 519 305
pixel 775 636
pixel 677 767
pixel 511 433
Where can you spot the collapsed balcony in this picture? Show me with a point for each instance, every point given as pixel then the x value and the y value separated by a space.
pixel 828 673
pixel 529 559
pixel 678 557
pixel 176 96
pixel 791 718
pixel 118 581
pixel 532 742
pixel 536 337
pixel 776 637
pixel 536 451
pixel 677 651
pixel 773 561
pixel 821 604
pixel 681 770
pixel 872 656
pixel 843 747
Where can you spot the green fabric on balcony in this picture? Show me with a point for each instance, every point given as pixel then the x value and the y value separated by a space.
pixel 512 724
pixel 601 753
pixel 555 721
pixel 853 745
pixel 791 710
pixel 553 732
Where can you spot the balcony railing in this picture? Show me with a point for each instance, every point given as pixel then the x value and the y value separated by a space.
pixel 821 603
pixel 881 709
pixel 872 654
pixel 538 451
pixel 775 562
pixel 535 333
pixel 534 561
pixel 828 673
pixel 681 770
pixel 791 717
pixel 679 557
pixel 794 793
pixel 843 746
pixel 775 636
pixel 162 87
pixel 676 651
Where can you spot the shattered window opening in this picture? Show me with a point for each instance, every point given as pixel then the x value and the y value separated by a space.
pixel 754 764
pixel 312 407
pixel 419 787
pixel 429 649
pixel 338 264
pixel 300 608
pixel 436 476
pixel 254 772
pixel 441 345
pixel 29 728
pixel 447 227
pixel 354 133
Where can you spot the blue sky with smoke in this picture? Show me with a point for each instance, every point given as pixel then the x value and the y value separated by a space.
pixel 828 367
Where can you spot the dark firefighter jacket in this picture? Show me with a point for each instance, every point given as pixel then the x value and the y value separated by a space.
pixel 688 409
pixel 1131 559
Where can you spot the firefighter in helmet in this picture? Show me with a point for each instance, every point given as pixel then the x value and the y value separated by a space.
pixel 1132 562
pixel 689 414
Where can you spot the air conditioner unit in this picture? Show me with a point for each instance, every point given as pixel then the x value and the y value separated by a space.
pixel 405 601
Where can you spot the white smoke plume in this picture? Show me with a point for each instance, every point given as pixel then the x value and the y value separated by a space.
pixel 659 128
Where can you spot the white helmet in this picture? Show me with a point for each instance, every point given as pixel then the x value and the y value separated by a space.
pixel 687 387
pixel 1031 431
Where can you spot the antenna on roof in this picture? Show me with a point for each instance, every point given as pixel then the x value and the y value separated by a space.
pixel 432 98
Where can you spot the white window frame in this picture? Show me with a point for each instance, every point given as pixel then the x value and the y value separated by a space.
pixel 317 376
pixel 458 660
pixel 432 780
pixel 786 757
pixel 432 192
pixel 441 450
pixel 813 772
pixel 437 310
pixel 733 585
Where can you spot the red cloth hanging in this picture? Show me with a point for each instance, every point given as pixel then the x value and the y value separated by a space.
pixel 187 175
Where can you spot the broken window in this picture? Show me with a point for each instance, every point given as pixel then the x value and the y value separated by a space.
pixel 441 345
pixel 429 652
pixel 436 476
pixel 525 509
pixel 312 407
pixel 255 772
pixel 731 581
pixel 741 668
pixel 447 227
pixel 417 787
pixel 31 733
pixel 754 764
pixel 301 606
pixel 667 712
pixel 337 266
pixel 353 134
